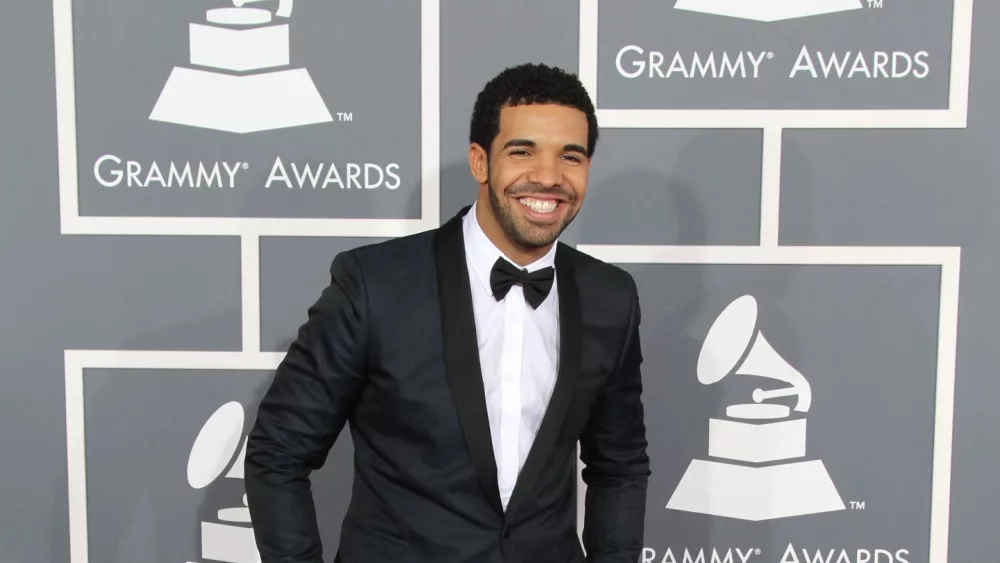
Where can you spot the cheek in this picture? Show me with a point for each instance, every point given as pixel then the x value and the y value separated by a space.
pixel 576 179
pixel 504 177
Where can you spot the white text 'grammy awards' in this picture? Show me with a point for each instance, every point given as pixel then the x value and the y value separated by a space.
pixel 634 61
pixel 112 171
pixel 791 554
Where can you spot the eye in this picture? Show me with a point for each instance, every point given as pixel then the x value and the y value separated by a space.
pixel 574 157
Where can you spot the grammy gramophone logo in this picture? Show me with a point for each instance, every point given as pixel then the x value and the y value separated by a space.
pixel 758 468
pixel 767 10
pixel 229 536
pixel 239 79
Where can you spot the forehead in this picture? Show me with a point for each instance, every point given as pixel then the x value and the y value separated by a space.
pixel 543 122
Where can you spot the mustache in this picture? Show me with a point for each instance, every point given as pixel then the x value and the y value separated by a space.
pixel 533 189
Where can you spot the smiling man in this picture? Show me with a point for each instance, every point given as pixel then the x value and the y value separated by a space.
pixel 469 361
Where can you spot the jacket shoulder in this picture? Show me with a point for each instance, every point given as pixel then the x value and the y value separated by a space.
pixel 591 271
pixel 607 293
pixel 386 264
pixel 393 248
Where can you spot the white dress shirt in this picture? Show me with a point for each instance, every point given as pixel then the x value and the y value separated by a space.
pixel 518 354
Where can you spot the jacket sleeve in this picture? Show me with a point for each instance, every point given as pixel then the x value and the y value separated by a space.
pixel 302 414
pixel 616 466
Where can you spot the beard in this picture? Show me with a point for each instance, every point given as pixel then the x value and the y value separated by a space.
pixel 519 230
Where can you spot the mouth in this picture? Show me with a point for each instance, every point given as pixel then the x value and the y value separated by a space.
pixel 540 209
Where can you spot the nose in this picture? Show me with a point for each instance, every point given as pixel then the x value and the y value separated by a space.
pixel 545 173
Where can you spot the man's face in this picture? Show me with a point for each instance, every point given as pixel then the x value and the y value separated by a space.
pixel 538 170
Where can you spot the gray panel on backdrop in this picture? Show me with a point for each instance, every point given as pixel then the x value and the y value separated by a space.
pixel 654 56
pixel 325 123
pixel 887 188
pixel 864 338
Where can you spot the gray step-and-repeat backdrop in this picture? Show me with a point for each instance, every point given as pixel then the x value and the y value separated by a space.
pixel 805 192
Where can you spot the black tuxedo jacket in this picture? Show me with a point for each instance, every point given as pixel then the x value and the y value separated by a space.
pixel 390 347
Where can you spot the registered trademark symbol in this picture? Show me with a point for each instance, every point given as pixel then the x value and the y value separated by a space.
pixel 770 54
pixel 756 551
pixel 245 165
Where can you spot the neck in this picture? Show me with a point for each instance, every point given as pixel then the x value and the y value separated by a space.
pixel 491 228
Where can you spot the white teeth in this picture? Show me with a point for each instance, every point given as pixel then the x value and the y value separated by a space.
pixel 541 206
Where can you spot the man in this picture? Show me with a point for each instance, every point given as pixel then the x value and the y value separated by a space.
pixel 467 380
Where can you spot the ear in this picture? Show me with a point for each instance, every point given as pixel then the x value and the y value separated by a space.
pixel 479 163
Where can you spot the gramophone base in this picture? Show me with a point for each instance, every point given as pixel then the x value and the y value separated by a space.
pixel 232 544
pixel 756 493
pixel 240 104
pixel 757 442
pixel 239 50
pixel 767 10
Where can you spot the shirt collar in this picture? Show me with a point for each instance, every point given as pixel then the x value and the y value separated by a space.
pixel 482 253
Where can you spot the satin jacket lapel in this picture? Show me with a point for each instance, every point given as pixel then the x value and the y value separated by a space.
pixel 461 352
pixel 569 369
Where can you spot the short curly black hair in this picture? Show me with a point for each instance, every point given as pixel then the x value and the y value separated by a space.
pixel 529 83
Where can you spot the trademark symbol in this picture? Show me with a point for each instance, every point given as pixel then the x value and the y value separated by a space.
pixel 348 116
pixel 857 505
pixel 874 3
pixel 770 54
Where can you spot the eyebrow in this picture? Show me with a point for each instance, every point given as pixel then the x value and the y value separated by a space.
pixel 528 143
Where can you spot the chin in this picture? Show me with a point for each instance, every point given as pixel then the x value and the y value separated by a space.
pixel 535 233
pixel 532 239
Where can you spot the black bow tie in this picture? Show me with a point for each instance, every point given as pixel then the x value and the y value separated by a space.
pixel 536 284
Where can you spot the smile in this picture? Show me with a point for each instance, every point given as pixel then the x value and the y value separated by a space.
pixel 539 205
